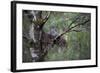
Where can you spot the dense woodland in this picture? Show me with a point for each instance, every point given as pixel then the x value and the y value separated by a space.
pixel 56 36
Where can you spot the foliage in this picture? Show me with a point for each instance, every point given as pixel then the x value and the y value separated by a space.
pixel 78 42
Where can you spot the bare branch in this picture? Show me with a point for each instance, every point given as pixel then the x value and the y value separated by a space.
pixel 68 30
pixel 45 19
pixel 73 21
pixel 39 20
